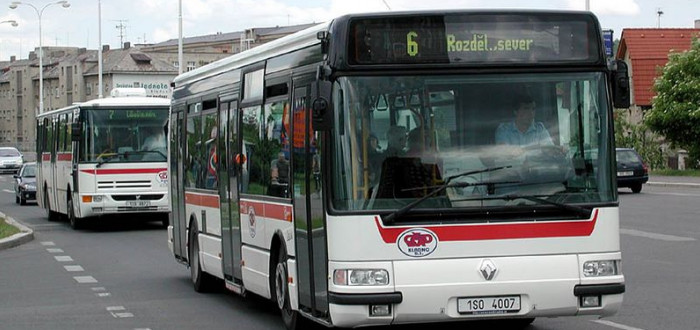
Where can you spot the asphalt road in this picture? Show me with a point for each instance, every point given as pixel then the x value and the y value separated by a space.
pixel 120 275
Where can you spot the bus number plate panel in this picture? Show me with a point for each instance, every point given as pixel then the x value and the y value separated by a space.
pixel 138 203
pixel 489 305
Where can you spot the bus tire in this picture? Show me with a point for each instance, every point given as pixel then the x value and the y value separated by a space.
pixel 201 281
pixel 75 222
pixel 280 293
pixel 50 215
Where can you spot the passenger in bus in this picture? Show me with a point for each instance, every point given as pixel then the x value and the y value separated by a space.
pixel 523 130
pixel 396 141
pixel 280 176
pixel 415 143
pixel 375 158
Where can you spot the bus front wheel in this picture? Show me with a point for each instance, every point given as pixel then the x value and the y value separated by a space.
pixel 202 281
pixel 291 318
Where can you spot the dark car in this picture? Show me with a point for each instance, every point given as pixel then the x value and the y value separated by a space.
pixel 631 171
pixel 25 184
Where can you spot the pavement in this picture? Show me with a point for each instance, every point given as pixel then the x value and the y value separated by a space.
pixel 26 234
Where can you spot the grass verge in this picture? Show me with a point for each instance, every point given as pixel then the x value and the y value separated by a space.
pixel 676 172
pixel 7 230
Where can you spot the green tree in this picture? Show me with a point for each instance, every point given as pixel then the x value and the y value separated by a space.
pixel 675 111
pixel 639 137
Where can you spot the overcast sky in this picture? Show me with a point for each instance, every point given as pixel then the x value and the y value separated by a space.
pixel 155 21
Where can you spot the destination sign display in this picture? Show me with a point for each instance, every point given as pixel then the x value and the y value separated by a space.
pixel 474 38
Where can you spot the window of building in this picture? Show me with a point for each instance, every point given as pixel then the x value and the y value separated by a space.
pixel 191 65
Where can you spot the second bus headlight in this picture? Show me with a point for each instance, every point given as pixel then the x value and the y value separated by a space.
pixel 601 268
pixel 357 277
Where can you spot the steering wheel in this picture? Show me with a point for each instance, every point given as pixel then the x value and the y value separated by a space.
pixel 547 161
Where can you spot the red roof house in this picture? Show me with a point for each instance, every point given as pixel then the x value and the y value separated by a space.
pixel 646 52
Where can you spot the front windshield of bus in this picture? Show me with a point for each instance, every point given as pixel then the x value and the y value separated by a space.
pixel 124 135
pixel 471 142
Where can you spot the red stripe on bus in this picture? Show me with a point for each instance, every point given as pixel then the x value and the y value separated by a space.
pixel 268 210
pixel 45 156
pixel 202 200
pixel 124 171
pixel 498 231
pixel 64 157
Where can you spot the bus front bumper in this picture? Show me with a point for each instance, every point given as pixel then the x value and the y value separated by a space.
pixel 440 290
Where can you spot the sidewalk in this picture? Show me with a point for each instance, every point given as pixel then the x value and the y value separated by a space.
pixel 25 235
pixel 674 181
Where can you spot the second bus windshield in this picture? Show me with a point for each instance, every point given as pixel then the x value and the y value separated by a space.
pixel 536 135
pixel 124 135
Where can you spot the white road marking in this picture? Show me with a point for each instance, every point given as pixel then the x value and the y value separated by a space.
pixel 98 288
pixel 103 294
pixel 616 325
pixel 85 279
pixel 9 191
pixel 48 243
pixel 74 268
pixel 119 312
pixel 673 194
pixel 662 237
pixel 54 250
pixel 63 258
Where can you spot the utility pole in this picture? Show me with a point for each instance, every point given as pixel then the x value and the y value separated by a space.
pixel 659 12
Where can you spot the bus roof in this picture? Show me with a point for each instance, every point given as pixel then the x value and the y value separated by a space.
pixel 133 101
pixel 301 39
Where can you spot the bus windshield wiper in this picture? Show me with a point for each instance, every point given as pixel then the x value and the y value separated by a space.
pixel 537 199
pixel 105 159
pixel 437 189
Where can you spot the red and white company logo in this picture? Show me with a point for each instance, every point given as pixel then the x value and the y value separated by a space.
pixel 251 221
pixel 417 242
pixel 163 177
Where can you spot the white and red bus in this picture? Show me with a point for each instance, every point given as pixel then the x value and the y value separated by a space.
pixel 359 173
pixel 104 157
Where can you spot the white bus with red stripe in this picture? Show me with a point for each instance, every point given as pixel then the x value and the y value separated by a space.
pixel 104 157
pixel 397 168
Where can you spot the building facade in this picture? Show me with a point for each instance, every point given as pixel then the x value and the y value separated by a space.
pixel 71 74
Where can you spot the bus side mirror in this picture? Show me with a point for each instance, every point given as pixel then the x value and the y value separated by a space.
pixel 76 132
pixel 621 85
pixel 321 106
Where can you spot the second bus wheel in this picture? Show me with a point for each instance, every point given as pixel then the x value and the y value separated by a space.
pixel 75 222
pixel 202 281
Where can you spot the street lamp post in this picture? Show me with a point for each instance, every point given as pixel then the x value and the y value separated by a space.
pixel 39 13
pixel 12 22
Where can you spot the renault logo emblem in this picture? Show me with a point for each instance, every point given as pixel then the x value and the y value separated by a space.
pixel 488 269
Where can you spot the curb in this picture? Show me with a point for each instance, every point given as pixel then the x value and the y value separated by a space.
pixel 25 235
pixel 673 184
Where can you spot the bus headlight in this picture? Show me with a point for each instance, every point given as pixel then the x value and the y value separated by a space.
pixel 357 277
pixel 597 268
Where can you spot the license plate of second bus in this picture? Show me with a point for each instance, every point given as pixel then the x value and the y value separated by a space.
pixel 489 305
pixel 138 203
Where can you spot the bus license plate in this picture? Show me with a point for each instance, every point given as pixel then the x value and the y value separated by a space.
pixel 626 173
pixel 138 203
pixel 489 305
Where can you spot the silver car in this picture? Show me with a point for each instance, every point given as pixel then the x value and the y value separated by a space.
pixel 10 159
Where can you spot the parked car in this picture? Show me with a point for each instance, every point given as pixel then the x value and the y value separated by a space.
pixel 631 171
pixel 10 159
pixel 25 184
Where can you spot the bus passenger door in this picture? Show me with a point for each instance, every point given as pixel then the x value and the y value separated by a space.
pixel 177 207
pixel 309 222
pixel 228 169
